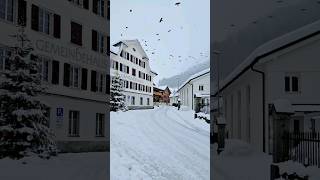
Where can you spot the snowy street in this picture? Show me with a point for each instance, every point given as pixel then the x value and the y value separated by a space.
pixel 160 143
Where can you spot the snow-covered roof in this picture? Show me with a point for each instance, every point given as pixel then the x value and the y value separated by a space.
pixel 270 47
pixel 194 76
pixel 134 42
pixel 283 106
pixel 306 108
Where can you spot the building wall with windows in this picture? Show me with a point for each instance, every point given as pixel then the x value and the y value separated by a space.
pixel 132 65
pixel 290 76
pixel 71 39
pixel 196 90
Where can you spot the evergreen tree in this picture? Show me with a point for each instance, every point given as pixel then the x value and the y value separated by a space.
pixel 23 120
pixel 116 95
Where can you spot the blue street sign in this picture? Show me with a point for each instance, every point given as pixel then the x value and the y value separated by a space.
pixel 60 112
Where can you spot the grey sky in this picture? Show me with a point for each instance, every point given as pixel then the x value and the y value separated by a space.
pixel 240 13
pixel 189 24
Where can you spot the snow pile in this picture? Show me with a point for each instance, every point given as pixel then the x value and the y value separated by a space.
pixel 240 161
pixel 79 166
pixel 291 167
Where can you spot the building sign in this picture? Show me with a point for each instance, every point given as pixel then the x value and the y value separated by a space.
pixel 75 54
pixel 59 116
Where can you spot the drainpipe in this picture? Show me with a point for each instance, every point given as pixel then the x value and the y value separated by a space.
pixel 192 95
pixel 263 105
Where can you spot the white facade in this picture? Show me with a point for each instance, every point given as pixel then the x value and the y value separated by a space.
pixel 290 74
pixel 132 64
pixel 196 90
pixel 75 72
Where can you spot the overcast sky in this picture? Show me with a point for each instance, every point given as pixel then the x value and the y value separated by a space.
pixel 240 13
pixel 189 24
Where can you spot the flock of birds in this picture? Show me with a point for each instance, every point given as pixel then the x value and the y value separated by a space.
pixel 157 35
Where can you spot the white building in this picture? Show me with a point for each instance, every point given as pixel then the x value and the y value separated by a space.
pixel 275 89
pixel 132 64
pixel 195 92
pixel 71 39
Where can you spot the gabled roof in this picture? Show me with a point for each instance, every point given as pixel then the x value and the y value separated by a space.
pixel 194 76
pixel 134 42
pixel 271 47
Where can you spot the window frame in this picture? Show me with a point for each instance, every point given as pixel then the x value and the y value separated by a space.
pixel 74 131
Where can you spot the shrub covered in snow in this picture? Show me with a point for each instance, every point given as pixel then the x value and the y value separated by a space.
pixel 23 120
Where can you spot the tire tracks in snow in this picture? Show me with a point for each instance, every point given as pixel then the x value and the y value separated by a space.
pixel 182 141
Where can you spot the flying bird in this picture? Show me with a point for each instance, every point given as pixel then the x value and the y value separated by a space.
pixel 130 10
pixel 121 34
pixel 158 39
pixel 157 34
pixel 169 30
pixel 177 4
pixel 126 27
pixel 152 52
pixel 160 20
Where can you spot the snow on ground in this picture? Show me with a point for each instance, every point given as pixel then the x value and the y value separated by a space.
pixel 291 167
pixel 79 166
pixel 160 143
pixel 242 160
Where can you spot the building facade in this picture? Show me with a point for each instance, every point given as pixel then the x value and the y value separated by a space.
pixel 274 90
pixel 161 95
pixel 195 92
pixel 71 39
pixel 131 63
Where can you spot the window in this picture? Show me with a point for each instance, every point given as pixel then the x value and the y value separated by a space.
pixel 100 119
pixel 100 82
pixel 148 101
pixel 128 69
pixel 44 21
pixel 133 100
pixel 133 72
pixel 44 69
pixel 98 7
pixel 4 55
pixel 291 83
pixel 81 3
pixel 141 100
pixel 7 10
pixel 74 123
pixel 201 88
pixel 98 40
pixel 74 76
pixel 128 55
pixel 76 33
pixel 130 85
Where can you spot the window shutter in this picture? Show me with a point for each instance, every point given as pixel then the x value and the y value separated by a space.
pixel 86 4
pixel 93 81
pixel 108 10
pixel 57 26
pixel 35 17
pixel 95 6
pixel 55 72
pixel 287 83
pixel 84 78
pixel 107 84
pixel 22 12
pixel 66 75
pixel 94 40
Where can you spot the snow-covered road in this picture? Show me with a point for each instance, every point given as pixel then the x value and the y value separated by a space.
pixel 160 143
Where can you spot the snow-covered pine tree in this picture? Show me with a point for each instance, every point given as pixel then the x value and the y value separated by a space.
pixel 23 120
pixel 116 94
